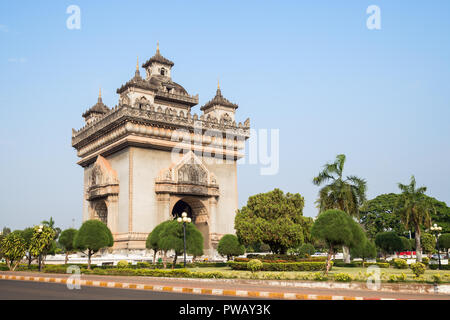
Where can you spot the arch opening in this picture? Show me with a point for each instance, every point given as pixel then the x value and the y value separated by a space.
pixel 198 213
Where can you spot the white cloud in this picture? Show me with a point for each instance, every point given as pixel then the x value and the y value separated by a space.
pixel 17 60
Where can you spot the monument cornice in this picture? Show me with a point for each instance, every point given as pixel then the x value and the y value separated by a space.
pixel 159 144
pixel 122 114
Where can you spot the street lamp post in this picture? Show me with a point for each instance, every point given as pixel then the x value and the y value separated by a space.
pixel 183 219
pixel 437 230
pixel 40 254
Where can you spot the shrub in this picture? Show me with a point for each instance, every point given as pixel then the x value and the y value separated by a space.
pixel 283 266
pixel 425 260
pixel 143 265
pixel 342 277
pixel 319 276
pixel 379 264
pixel 400 264
pixel 122 264
pixel 437 278
pixel 418 268
pixel 397 278
pixel 254 265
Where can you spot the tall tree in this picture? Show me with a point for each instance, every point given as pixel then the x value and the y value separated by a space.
pixel 51 223
pixel 41 242
pixel 273 218
pixel 414 210
pixel 346 194
pixel 380 214
pixel 377 215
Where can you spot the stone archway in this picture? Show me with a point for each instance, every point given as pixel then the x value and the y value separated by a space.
pixel 198 212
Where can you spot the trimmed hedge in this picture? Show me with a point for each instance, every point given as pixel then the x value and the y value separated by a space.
pixel 354 264
pixel 279 258
pixel 359 264
pixel 283 266
pixel 435 266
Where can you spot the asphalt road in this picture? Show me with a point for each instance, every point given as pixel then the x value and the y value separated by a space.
pixel 29 290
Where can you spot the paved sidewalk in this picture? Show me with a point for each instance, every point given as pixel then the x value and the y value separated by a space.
pixel 225 287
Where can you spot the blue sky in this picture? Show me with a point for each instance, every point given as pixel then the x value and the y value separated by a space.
pixel 311 69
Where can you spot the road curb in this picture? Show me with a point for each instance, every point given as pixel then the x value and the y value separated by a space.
pixel 217 292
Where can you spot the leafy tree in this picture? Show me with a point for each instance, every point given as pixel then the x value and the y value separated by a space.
pixel 414 211
pixel 388 242
pixel 41 242
pixel 366 249
pixel 66 240
pixel 337 228
pixel 27 235
pixel 444 241
pixel 153 240
pixel 6 231
pixel 273 218
pixel 428 242
pixel 377 215
pixel 229 246
pixel 306 250
pixel 406 244
pixel 13 249
pixel 93 236
pixel 346 194
pixel 171 238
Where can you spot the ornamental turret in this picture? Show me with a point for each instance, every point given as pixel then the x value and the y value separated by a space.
pixel 158 65
pixel 219 107
pixel 97 111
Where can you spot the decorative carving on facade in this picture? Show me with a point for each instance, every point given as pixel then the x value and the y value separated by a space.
pixel 188 176
pixel 102 180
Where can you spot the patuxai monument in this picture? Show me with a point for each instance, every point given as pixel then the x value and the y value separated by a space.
pixel 150 158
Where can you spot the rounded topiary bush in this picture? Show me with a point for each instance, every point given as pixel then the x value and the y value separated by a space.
pixel 254 265
pixel 400 264
pixel 122 264
pixel 418 268
pixel 425 260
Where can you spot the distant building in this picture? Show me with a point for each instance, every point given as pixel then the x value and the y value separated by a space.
pixel 148 159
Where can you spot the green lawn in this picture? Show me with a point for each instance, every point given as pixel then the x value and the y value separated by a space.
pixel 358 274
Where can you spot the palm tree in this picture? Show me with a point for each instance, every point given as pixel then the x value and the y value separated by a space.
pixel 414 209
pixel 344 194
pixel 51 223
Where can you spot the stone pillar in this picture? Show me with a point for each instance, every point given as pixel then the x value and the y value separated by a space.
pixel 112 203
pixel 163 207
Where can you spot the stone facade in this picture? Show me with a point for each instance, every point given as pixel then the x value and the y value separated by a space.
pixel 149 159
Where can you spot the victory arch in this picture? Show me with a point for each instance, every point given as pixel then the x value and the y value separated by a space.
pixel 148 159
